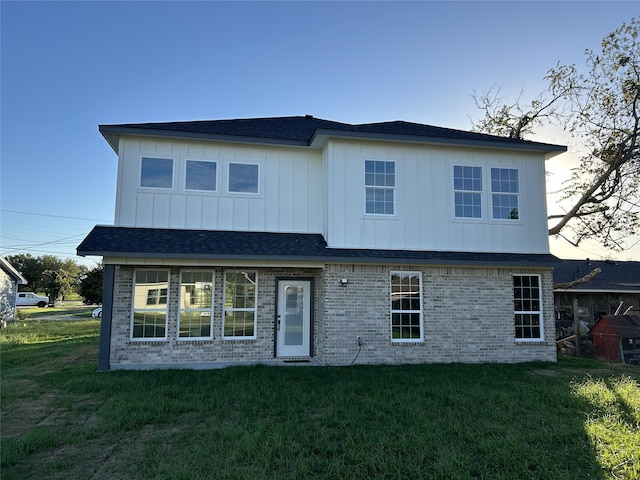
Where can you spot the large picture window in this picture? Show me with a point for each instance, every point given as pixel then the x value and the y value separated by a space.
pixel 406 306
pixel 244 178
pixel 527 305
pixel 380 183
pixel 467 187
pixel 196 305
pixel 149 317
pixel 156 172
pixel 240 302
pixel 505 188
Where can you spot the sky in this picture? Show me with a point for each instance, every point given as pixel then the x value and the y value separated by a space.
pixel 67 67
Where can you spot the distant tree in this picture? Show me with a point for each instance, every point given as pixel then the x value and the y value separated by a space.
pixel 601 109
pixel 31 269
pixel 90 287
pixel 53 282
pixel 48 274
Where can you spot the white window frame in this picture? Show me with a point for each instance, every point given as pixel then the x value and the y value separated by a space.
pixel 405 311
pixel 228 181
pixel 464 191
pixel 154 309
pixel 505 194
pixel 203 160
pixel 254 309
pixel 157 157
pixel 538 312
pixel 381 187
pixel 203 311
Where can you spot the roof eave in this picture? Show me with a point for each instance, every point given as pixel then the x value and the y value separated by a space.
pixel 12 272
pixel 328 259
pixel 112 134
pixel 321 136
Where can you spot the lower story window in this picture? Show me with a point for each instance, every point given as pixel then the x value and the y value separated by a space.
pixel 196 305
pixel 527 305
pixel 240 301
pixel 149 318
pixel 406 306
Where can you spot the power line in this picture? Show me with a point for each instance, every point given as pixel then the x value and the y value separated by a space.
pixel 52 242
pixel 55 216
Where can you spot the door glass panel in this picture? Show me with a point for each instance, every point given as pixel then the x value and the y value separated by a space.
pixel 293 315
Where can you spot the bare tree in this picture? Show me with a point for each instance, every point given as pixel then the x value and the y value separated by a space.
pixel 601 109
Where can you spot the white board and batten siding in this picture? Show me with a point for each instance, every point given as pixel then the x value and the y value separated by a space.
pixel 303 190
pixel 290 189
pixel 424 216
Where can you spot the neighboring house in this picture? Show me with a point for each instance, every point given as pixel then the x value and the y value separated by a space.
pixel 617 338
pixel 616 289
pixel 10 278
pixel 296 239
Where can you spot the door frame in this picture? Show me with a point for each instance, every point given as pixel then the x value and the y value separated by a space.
pixel 311 281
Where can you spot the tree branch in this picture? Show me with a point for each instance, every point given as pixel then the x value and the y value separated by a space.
pixel 587 278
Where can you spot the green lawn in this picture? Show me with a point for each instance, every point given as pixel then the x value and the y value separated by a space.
pixel 60 419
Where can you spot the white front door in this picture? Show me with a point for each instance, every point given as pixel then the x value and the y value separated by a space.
pixel 293 318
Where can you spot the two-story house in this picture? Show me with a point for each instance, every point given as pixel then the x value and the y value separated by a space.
pixel 297 239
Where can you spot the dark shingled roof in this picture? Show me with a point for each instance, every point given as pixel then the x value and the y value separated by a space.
pixel 131 242
pixel 302 130
pixel 615 275
pixel 626 326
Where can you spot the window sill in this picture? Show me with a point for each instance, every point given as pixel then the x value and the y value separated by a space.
pixel 144 341
pixel 530 342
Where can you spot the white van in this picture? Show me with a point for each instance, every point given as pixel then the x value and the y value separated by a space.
pixel 31 299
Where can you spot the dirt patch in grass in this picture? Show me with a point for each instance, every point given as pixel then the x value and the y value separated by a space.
pixel 545 372
pixel 42 410
pixel 79 355
pixel 102 458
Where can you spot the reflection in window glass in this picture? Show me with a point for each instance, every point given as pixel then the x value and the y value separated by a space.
pixel 150 304
pixel 380 182
pixel 527 305
pixel 243 178
pixel 201 175
pixel 467 186
pixel 240 304
pixel 196 304
pixel 406 306
pixel 505 188
pixel 156 173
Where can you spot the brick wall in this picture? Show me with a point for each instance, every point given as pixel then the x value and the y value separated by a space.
pixel 467 317
pixel 127 352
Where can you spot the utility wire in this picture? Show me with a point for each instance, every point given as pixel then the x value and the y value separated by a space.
pixel 55 216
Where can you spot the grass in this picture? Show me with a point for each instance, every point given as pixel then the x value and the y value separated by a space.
pixel 61 420
pixel 74 309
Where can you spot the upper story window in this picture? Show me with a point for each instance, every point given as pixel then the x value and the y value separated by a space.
pixel 149 316
pixel 380 183
pixel 406 307
pixel 504 193
pixel 527 306
pixel 244 178
pixel 156 172
pixel 201 175
pixel 467 186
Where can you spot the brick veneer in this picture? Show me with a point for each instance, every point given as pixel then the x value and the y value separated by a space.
pixel 467 317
